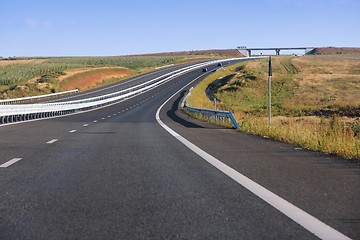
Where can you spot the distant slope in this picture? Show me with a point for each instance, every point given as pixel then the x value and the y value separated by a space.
pixel 219 52
pixel 335 50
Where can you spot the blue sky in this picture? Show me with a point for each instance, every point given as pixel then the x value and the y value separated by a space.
pixel 116 27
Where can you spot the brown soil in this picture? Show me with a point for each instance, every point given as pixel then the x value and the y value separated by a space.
pixel 34 80
pixel 85 79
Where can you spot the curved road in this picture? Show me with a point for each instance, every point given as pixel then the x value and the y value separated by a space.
pixel 116 173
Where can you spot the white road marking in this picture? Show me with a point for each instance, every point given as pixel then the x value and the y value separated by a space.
pixel 95 109
pixel 72 131
pixel 52 141
pixel 307 221
pixel 85 125
pixel 109 116
pixel 8 163
pixel 114 114
pixel 102 118
pixel 95 121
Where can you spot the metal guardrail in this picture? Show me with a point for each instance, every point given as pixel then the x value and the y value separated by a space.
pixel 24 112
pixel 217 114
pixel 20 100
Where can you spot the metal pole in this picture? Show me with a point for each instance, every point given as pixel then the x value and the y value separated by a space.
pixel 269 92
pixel 215 103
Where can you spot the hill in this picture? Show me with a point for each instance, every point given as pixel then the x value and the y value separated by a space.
pixel 315 100
pixel 335 50
pixel 218 52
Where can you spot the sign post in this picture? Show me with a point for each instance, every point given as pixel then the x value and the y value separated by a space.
pixel 269 92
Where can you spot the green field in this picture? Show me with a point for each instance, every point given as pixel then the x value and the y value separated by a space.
pixel 15 74
pixel 19 72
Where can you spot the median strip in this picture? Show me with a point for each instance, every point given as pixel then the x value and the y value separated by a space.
pixel 10 114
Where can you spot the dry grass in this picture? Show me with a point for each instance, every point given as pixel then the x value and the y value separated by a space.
pixel 86 79
pixel 28 77
pixel 327 81
pixel 301 86
pixel 329 135
pixel 23 61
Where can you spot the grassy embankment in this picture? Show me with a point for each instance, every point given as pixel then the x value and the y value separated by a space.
pixel 315 100
pixel 19 78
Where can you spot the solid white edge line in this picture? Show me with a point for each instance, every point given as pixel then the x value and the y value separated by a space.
pixel 299 216
pixel 10 162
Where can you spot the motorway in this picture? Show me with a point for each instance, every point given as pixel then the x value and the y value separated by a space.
pixel 117 173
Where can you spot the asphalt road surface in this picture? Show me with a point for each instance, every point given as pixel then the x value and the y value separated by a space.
pixel 116 173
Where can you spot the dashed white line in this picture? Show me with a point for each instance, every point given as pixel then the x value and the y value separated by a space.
pixel 102 118
pixel 52 141
pixel 8 163
pixel 72 131
pixel 95 121
pixel 85 125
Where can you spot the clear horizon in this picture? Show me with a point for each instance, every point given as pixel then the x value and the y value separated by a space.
pixel 113 28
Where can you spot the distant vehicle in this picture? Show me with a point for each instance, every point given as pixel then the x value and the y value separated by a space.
pixel 205 70
pixel 219 64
